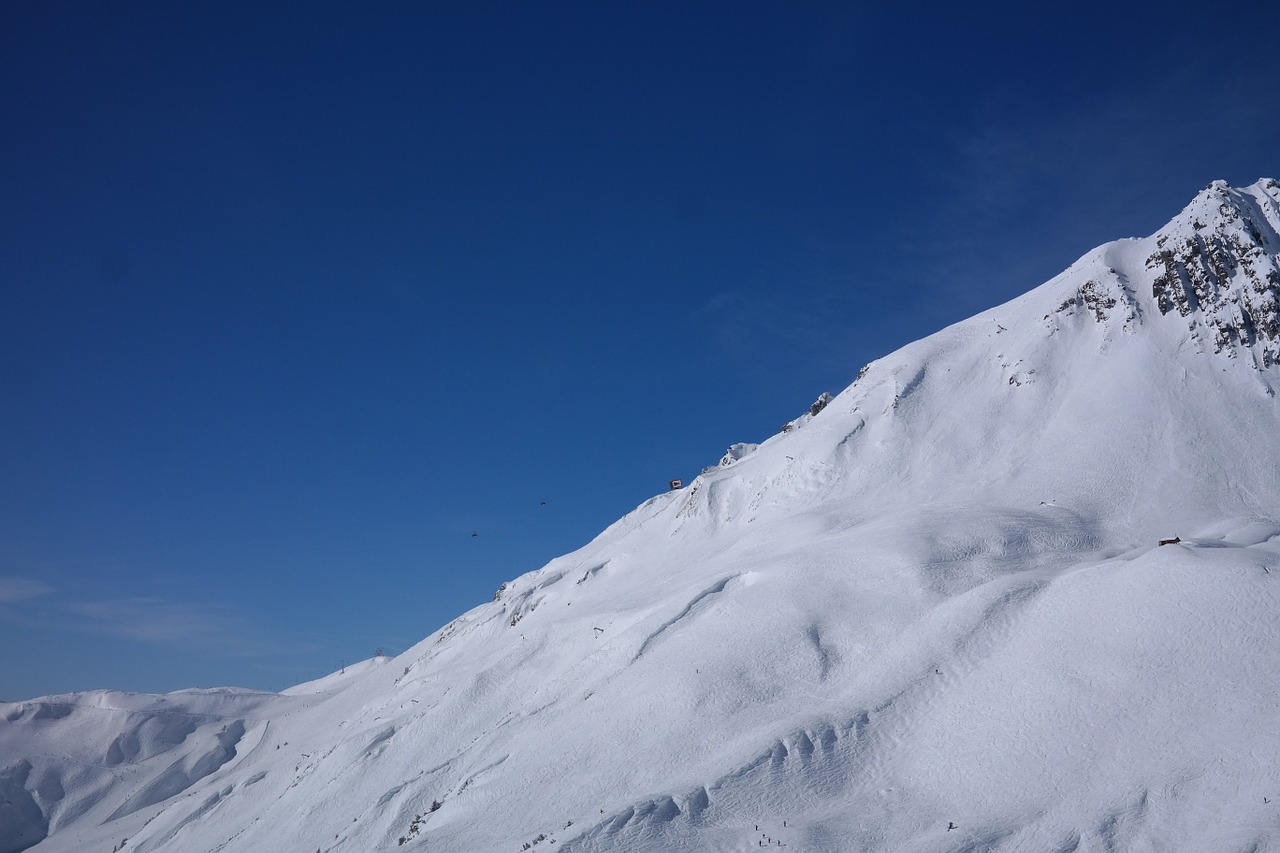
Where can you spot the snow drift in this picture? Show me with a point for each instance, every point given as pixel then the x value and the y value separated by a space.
pixel 932 614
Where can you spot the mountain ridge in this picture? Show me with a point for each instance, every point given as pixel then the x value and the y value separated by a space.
pixel 930 614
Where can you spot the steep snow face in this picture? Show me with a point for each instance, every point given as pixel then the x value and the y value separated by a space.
pixel 1084 393
pixel 930 614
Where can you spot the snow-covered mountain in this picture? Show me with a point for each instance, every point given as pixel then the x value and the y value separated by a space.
pixel 931 614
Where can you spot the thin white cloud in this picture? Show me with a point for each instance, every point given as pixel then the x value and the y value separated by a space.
pixel 150 619
pixel 163 622
pixel 13 589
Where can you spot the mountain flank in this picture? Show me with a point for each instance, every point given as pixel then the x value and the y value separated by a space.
pixel 1015 588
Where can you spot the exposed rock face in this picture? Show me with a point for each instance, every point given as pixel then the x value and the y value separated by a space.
pixel 1224 276
pixel 820 403
pixel 1100 300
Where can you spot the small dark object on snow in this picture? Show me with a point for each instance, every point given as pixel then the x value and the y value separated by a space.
pixel 951 826
pixel 676 484
pixel 1174 541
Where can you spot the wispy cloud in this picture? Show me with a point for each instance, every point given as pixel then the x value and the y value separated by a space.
pixel 14 589
pixel 164 622
pixel 155 620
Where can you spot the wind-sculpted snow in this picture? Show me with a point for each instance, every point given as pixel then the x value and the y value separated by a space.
pixel 932 613
pixel 100 756
pixel 698 600
pixel 217 750
pixel 22 821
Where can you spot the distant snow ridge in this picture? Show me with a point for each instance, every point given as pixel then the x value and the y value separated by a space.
pixel 1016 588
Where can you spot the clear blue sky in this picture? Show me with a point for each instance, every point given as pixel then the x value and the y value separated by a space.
pixel 297 296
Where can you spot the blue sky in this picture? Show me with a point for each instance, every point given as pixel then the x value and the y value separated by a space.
pixel 297 297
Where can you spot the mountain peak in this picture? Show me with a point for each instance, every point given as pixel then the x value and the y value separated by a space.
pixel 1216 265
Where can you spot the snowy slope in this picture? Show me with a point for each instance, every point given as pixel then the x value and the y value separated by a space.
pixel 938 600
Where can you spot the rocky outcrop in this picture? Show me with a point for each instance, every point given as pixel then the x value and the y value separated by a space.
pixel 1218 268
pixel 1101 301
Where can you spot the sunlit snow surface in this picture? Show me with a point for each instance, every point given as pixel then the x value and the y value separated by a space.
pixel 939 602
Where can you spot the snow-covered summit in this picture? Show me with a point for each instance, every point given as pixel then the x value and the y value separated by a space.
pixel 1089 391
pixel 932 613
pixel 1216 266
